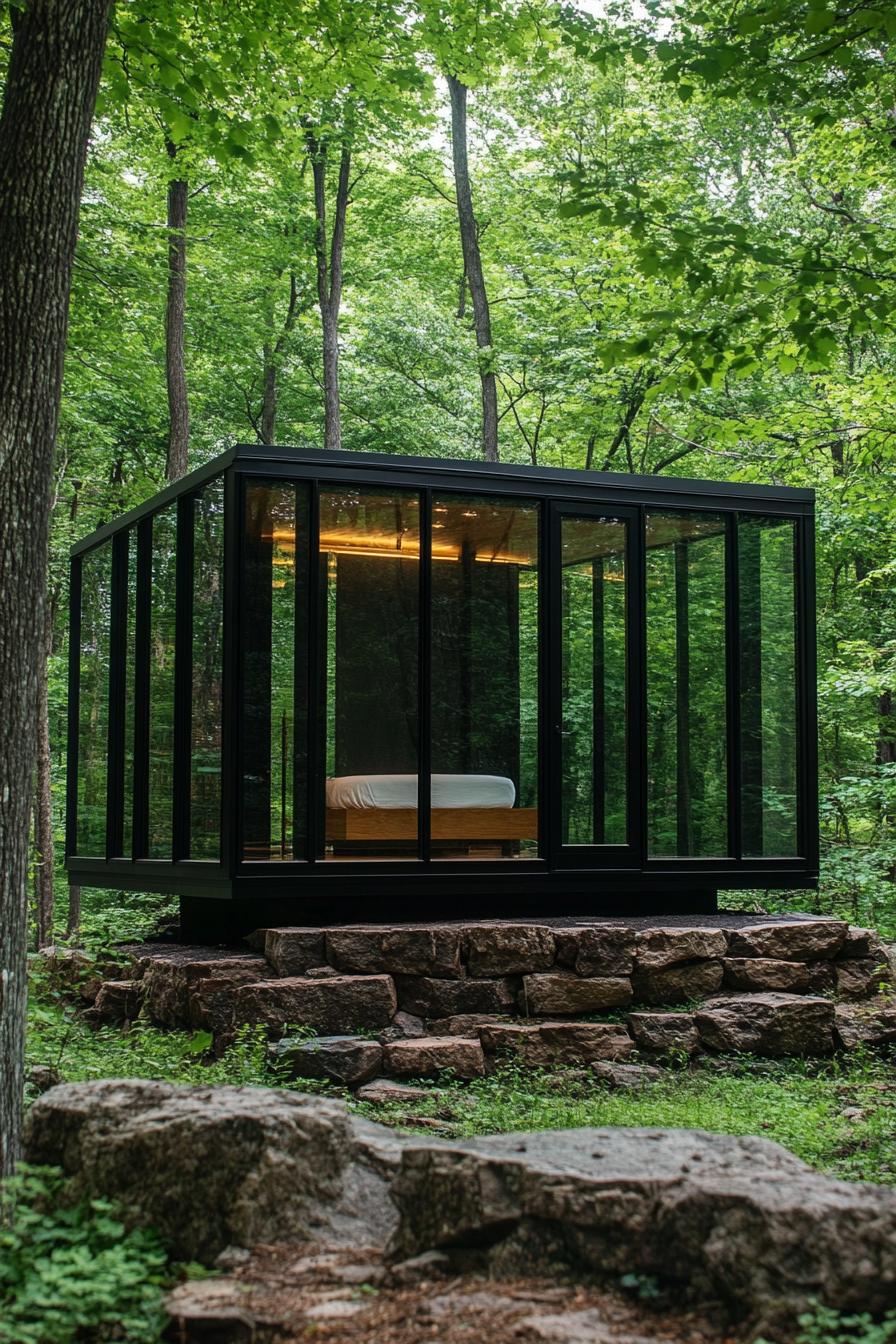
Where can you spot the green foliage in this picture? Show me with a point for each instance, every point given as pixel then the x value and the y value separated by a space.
pixel 822 1325
pixel 686 219
pixel 798 1103
pixel 70 1270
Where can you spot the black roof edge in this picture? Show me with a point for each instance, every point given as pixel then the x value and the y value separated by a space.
pixel 258 454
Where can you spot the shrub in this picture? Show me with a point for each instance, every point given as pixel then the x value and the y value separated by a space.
pixel 70 1270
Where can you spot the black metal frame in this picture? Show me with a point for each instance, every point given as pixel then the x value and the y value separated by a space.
pixel 604 877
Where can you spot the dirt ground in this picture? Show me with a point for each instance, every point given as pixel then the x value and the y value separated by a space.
pixel 280 1294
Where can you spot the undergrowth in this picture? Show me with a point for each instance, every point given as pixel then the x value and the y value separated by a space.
pixel 70 1270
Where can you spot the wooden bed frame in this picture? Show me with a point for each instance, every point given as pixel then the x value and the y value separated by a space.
pixel 446 823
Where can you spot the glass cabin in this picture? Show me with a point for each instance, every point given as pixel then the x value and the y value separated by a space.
pixel 355 685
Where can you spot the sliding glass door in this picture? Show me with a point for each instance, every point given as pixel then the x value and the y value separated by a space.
pixel 594 691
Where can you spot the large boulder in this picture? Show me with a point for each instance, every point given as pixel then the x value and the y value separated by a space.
pixel 792 940
pixel 211 1167
pixel 767 1024
pixel 736 1221
pixel 373 949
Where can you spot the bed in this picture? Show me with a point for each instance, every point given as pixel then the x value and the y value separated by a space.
pixel 465 808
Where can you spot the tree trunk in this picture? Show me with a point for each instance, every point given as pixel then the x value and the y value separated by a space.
pixel 44 857
pixel 329 276
pixel 51 85
pixel 175 314
pixel 73 922
pixel 469 239
pixel 271 353
pixel 269 396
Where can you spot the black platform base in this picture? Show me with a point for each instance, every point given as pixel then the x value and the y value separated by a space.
pixel 205 921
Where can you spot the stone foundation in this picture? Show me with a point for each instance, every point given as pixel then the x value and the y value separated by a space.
pixel 412 1001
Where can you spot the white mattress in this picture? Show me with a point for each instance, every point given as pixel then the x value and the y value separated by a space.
pixel 401 791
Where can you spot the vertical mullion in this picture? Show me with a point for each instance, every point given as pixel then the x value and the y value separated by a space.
pixel 807 710
pixel 116 690
pixel 598 704
pixel 142 638
pixel 424 681
pixel 683 799
pixel 231 690
pixel 302 688
pixel 636 593
pixel 316 710
pixel 732 667
pixel 74 689
pixel 749 561
pixel 550 591
pixel 183 680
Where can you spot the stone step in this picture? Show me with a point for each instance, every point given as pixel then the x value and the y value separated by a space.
pixel 525 984
pixel 538 966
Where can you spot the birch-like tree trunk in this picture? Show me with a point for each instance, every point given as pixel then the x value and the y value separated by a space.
pixel 469 240
pixel 329 275
pixel 175 319
pixel 50 94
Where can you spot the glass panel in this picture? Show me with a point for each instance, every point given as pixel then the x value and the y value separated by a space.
pixel 130 664
pixel 208 620
pixel 767 572
pixel 370 549
pixel 484 678
pixel 595 708
pixel 161 681
pixel 93 701
pixel 687 789
pixel 274 582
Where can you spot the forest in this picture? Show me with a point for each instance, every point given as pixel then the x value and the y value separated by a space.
pixel 642 236
pixel 655 241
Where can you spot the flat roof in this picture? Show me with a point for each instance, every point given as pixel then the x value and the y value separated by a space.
pixel 459 471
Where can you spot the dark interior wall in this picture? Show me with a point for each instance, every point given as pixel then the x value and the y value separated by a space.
pixel 475 667
pixel 377 601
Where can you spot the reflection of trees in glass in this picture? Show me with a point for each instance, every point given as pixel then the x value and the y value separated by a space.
pixel 161 681
pixel 208 615
pixel 130 665
pixel 485 641
pixel 594 696
pixel 93 700
pixel 528 644
pixel 687 790
pixel 268 652
pixel 768 686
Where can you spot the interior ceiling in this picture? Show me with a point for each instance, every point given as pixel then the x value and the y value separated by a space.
pixel 490 531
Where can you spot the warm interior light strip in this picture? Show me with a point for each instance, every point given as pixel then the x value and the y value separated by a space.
pixel 384 548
